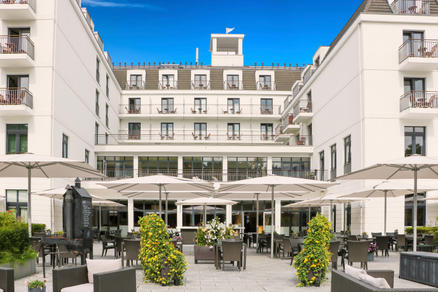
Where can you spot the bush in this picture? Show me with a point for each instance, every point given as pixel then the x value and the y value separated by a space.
pixel 38 228
pixel 421 230
pixel 14 240
pixel 312 262
pixel 161 262
pixel 214 230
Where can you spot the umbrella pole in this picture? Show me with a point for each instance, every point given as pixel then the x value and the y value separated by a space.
pixel 205 214
pixel 257 221
pixel 310 212
pixel 345 217
pixel 159 200
pixel 331 215
pixel 386 210
pixel 414 216
pixel 167 209
pixel 272 222
pixel 29 200
pixel 100 219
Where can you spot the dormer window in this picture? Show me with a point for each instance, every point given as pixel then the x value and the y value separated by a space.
pixel 168 81
pixel 232 81
pixel 135 81
pixel 265 82
pixel 200 81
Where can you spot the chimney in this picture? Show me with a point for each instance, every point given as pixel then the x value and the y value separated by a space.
pixel 197 56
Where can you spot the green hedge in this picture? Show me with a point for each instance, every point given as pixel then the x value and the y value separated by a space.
pixel 38 228
pixel 14 240
pixel 422 230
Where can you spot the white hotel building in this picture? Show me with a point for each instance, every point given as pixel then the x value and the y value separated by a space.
pixel 370 96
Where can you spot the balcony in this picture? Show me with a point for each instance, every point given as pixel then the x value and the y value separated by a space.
pixel 200 85
pixel 419 55
pixel 233 85
pixel 302 140
pixel 169 85
pixel 17 9
pixel 16 51
pixel 288 126
pixel 308 73
pixel 15 101
pixel 303 111
pixel 265 85
pixel 134 85
pixel 419 105
pixel 411 7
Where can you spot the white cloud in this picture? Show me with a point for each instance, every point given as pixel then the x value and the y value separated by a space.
pixel 106 3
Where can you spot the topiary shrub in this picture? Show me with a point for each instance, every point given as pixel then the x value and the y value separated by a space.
pixel 161 262
pixel 14 240
pixel 312 262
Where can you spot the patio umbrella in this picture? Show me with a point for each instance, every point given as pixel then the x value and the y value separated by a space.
pixel 158 183
pixel 274 183
pixel 33 165
pixel 204 202
pixel 413 167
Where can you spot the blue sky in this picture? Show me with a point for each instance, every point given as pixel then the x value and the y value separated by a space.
pixel 279 31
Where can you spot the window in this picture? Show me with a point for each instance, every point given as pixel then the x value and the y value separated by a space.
pixel 166 131
pixel 107 115
pixel 415 140
pixel 116 166
pixel 200 105
pixel 107 86
pixel 64 146
pixel 17 81
pixel 134 130
pixel 106 138
pixel 16 200
pixel 233 131
pixel 97 103
pixel 421 210
pixel 415 89
pixel 233 82
pixel 415 43
pixel 168 81
pixel 134 106
pixel 321 166
pixel 135 81
pixel 347 155
pixel 246 167
pixel 200 81
pixel 156 165
pixel 292 167
pixel 167 105
pixel 233 106
pixel 265 82
pixel 87 156
pixel 16 135
pixel 17 90
pixel 267 131
pixel 333 162
pixel 96 133
pixel 97 70
pixel 207 168
pixel 266 106
pixel 200 130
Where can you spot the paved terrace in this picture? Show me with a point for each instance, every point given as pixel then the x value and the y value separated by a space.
pixel 262 274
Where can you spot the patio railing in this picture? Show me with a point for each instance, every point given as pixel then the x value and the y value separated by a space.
pixel 31 3
pixel 16 96
pixel 421 7
pixel 419 99
pixel 14 44
pixel 419 49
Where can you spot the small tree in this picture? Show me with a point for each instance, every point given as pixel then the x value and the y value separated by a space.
pixel 161 262
pixel 312 262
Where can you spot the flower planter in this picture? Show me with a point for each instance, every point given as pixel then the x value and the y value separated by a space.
pixel 370 256
pixel 37 289
pixel 204 253
pixel 26 269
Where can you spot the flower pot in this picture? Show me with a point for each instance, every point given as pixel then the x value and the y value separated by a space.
pixel 204 253
pixel 370 256
pixel 37 289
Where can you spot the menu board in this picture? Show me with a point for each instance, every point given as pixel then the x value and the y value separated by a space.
pixel 86 213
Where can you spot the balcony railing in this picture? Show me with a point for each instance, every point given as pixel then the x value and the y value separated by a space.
pixel 296 90
pixel 192 109
pixel 204 174
pixel 303 106
pixel 419 99
pixel 16 96
pixel 168 85
pixel 308 74
pixel 419 49
pixel 265 85
pixel 137 85
pixel 302 140
pixel 31 3
pixel 200 85
pixel 233 85
pixel 11 44
pixel 142 171
pixel 421 7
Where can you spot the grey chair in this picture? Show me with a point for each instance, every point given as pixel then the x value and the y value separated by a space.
pixel 36 246
pixel 132 250
pixel 114 281
pixel 7 279
pixel 107 244
pixel 382 243
pixel 353 237
pixel 231 252
pixel 401 242
pixel 375 234
pixel 63 254
pixel 358 252
pixel 334 249
pixel 286 247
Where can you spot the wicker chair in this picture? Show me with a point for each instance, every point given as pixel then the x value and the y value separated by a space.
pixel 7 279
pixel 36 246
pixel 375 234
pixel 353 237
pixel 401 242
pixel 132 249
pixel 334 249
pixel 358 252
pixel 296 247
pixel 107 244
pixel 63 254
pixel 286 247
pixel 231 252
pixel 382 243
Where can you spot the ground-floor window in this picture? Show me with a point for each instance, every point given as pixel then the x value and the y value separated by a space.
pixel 16 200
pixel 246 167
pixel 116 166
pixel 206 168
pixel 292 166
pixel 155 165
pixel 421 210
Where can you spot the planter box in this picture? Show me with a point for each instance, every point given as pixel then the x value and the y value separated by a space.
pixel 37 289
pixel 204 253
pixel 419 267
pixel 26 269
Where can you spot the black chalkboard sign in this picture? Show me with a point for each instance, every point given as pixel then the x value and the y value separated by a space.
pixel 78 213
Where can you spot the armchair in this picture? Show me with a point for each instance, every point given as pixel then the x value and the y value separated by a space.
pixel 7 279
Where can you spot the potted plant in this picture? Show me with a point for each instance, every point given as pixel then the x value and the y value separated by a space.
pixel 37 286
pixel 364 235
pixel 371 250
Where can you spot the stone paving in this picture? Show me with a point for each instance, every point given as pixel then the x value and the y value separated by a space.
pixel 262 274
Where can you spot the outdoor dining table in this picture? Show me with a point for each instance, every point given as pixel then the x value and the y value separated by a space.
pixel 218 252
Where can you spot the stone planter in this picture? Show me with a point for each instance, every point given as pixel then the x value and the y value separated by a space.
pixel 26 269
pixel 204 253
pixel 36 289
pixel 370 256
